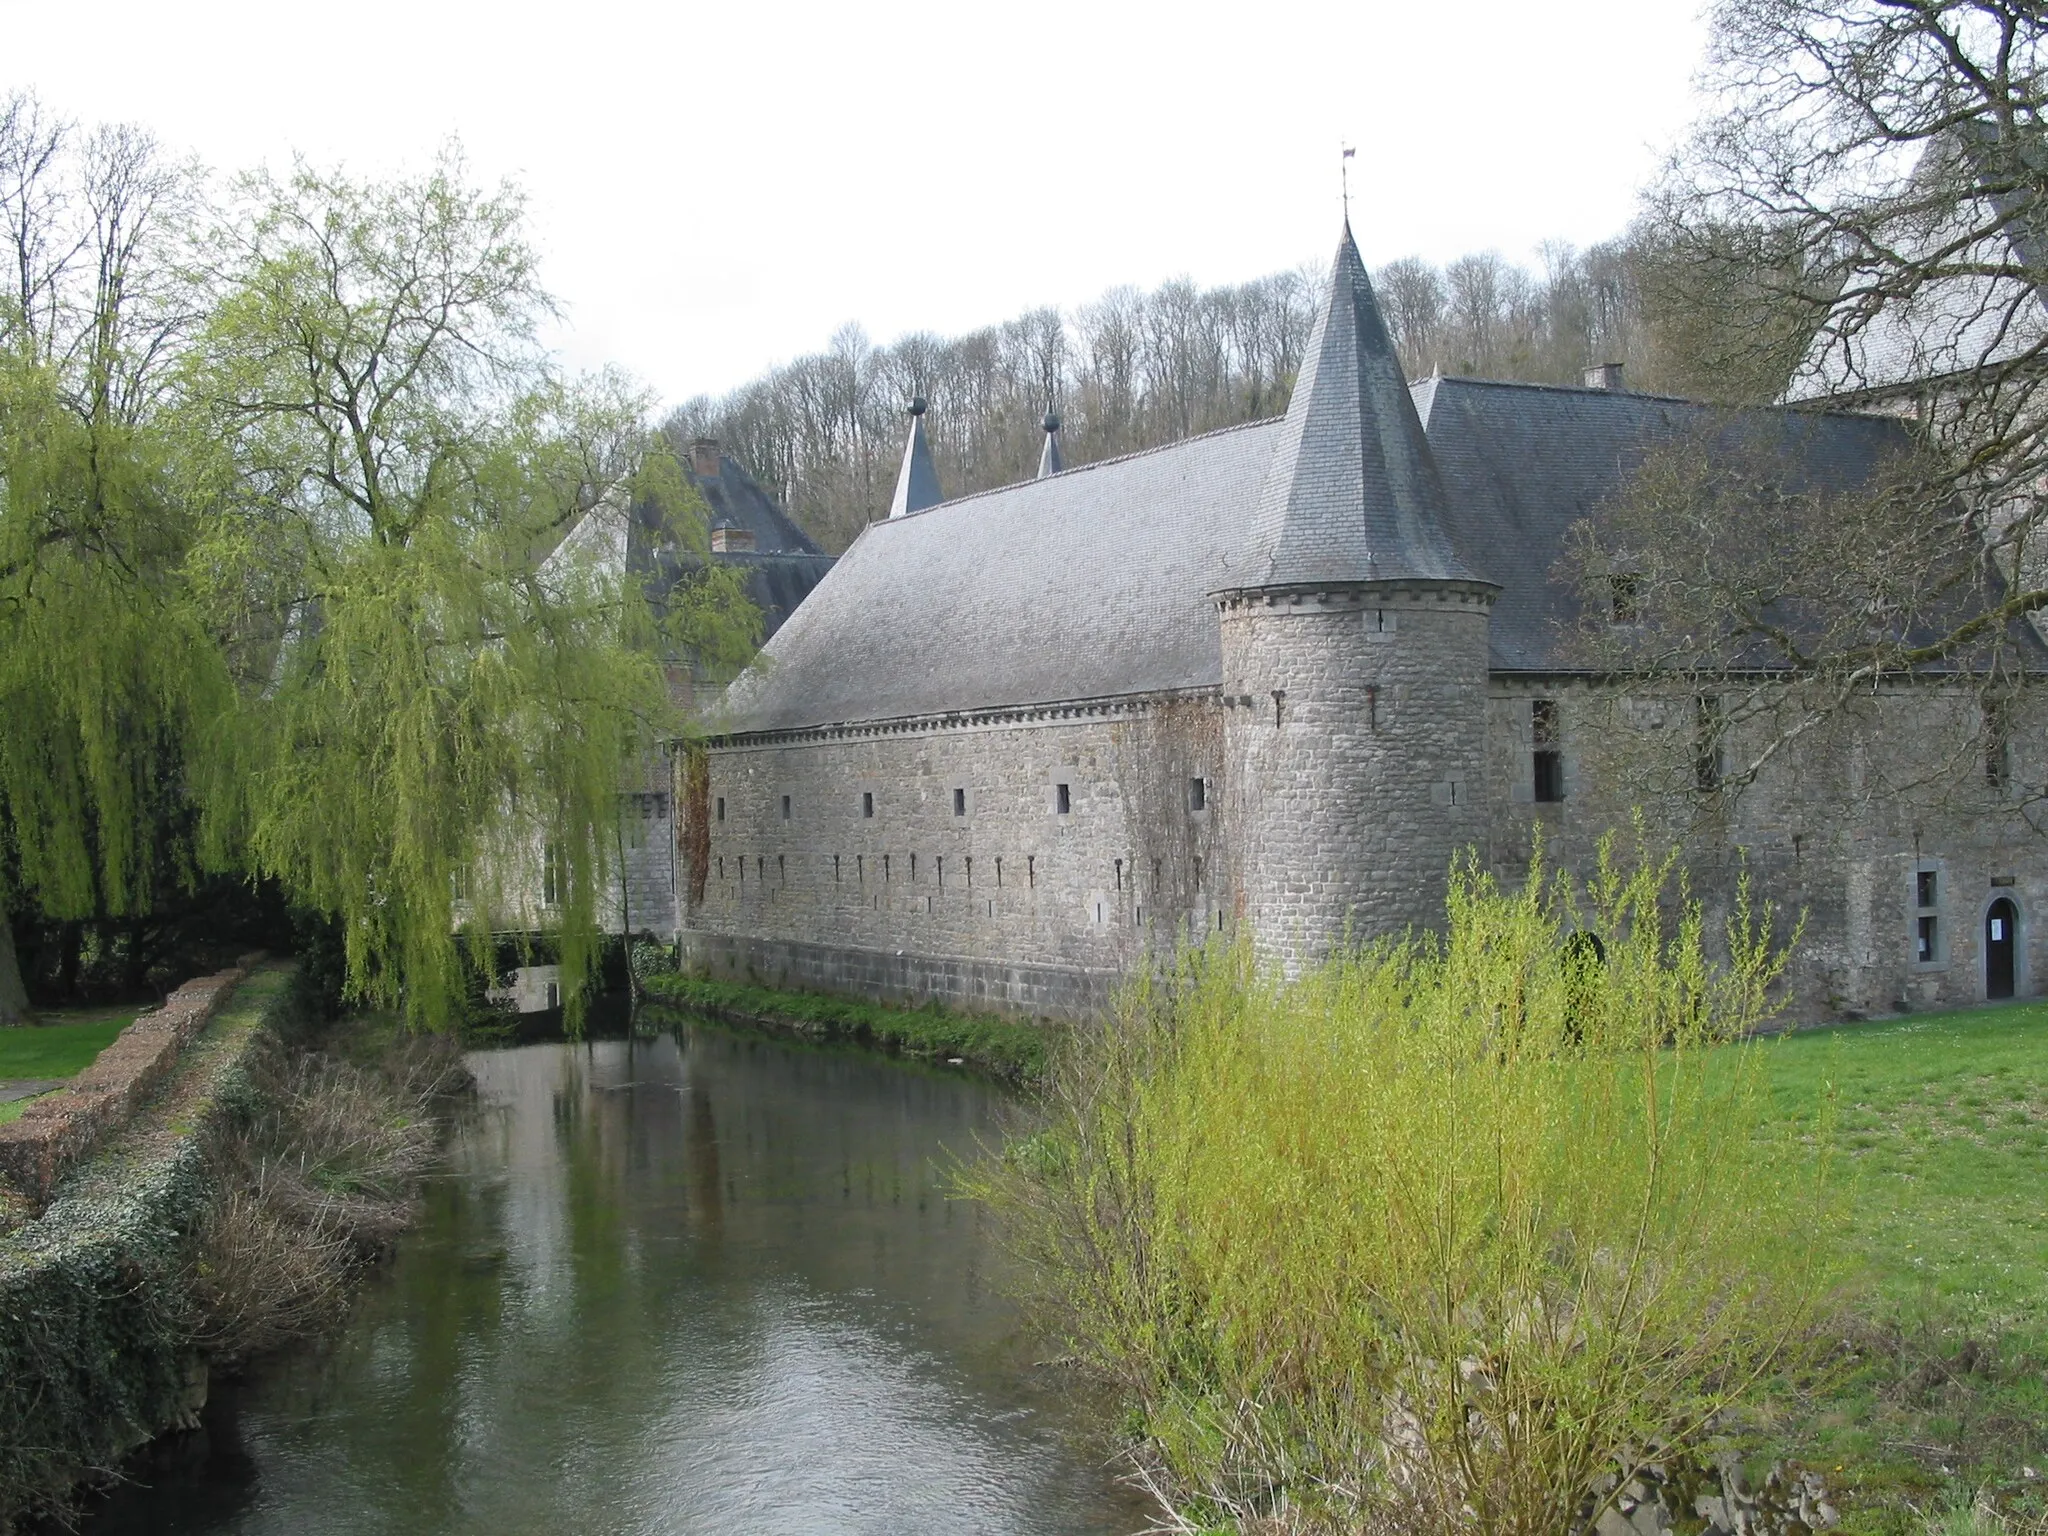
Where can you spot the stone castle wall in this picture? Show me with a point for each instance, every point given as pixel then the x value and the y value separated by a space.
pixel 1355 736
pixel 936 861
pixel 1837 827
pixel 1352 805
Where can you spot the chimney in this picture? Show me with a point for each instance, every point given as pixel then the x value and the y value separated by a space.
pixel 1606 376
pixel 729 538
pixel 704 457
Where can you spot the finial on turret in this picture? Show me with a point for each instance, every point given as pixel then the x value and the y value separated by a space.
pixel 916 407
pixel 1049 460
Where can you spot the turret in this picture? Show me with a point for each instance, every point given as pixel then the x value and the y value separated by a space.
pixel 1049 460
pixel 917 482
pixel 1354 658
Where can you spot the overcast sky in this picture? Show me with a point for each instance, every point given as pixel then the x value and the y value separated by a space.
pixel 717 188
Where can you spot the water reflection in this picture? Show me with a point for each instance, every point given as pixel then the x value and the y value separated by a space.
pixel 704 1282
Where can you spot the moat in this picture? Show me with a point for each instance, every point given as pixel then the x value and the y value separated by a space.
pixel 695 1282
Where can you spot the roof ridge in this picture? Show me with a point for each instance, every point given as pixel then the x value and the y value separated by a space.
pixel 1082 469
pixel 1789 407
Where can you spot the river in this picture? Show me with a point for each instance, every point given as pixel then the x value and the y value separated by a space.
pixel 703 1281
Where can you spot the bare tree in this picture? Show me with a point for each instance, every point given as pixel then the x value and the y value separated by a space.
pixel 1412 294
pixel 1856 224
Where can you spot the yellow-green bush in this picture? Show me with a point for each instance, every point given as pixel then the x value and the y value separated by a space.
pixel 1440 1234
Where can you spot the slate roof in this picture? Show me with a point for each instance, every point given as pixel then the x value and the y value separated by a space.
pixel 1050 460
pixel 917 482
pixel 781 569
pixel 1087 584
pixel 1096 583
pixel 1522 462
pixel 1353 493
pixel 737 498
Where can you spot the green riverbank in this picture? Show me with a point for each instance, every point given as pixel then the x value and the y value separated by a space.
pixel 1001 1047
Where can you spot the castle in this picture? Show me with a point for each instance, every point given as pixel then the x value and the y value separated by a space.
pixel 1272 680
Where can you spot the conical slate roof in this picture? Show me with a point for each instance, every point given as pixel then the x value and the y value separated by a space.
pixel 917 483
pixel 1049 460
pixel 1353 493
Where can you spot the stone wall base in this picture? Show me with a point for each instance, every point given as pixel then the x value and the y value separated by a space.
pixel 980 986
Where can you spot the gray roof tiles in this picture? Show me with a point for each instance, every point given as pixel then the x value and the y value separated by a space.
pixel 917 482
pixel 780 570
pixel 1087 584
pixel 1049 460
pixel 1353 492
pixel 1521 463
pixel 1096 583
pixel 738 500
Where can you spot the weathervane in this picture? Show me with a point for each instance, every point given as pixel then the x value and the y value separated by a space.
pixel 1344 172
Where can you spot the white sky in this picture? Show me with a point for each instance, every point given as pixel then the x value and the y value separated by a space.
pixel 717 188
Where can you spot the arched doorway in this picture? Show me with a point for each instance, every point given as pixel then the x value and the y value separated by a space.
pixel 2001 948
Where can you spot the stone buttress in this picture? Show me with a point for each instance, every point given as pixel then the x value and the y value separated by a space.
pixel 1354 659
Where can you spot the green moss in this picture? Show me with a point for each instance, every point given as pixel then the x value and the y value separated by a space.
pixel 57 1050
pixel 96 1348
pixel 1002 1046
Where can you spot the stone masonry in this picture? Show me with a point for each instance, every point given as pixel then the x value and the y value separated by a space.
pixel 1272 681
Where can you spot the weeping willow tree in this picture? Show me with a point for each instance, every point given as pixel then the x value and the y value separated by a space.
pixel 107 667
pixel 312 564
pixel 417 545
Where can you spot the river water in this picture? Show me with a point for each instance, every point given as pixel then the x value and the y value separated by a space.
pixel 698 1282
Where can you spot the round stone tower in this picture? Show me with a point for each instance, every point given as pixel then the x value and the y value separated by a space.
pixel 1354 659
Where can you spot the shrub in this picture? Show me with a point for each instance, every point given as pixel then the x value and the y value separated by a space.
pixel 315 1183
pixel 1447 1234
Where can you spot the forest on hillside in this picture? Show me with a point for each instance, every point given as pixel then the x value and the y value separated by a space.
pixel 1137 369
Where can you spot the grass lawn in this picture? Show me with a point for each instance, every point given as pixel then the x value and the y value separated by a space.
pixel 1943 1135
pixel 62 1044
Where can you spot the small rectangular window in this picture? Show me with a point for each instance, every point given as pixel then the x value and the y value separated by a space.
pixel 458 884
pixel 554 995
pixel 959 802
pixel 1198 795
pixel 867 803
pixel 1546 760
pixel 550 876
pixel 1625 594
pixel 1063 800
pixel 1927 930
pixel 785 807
